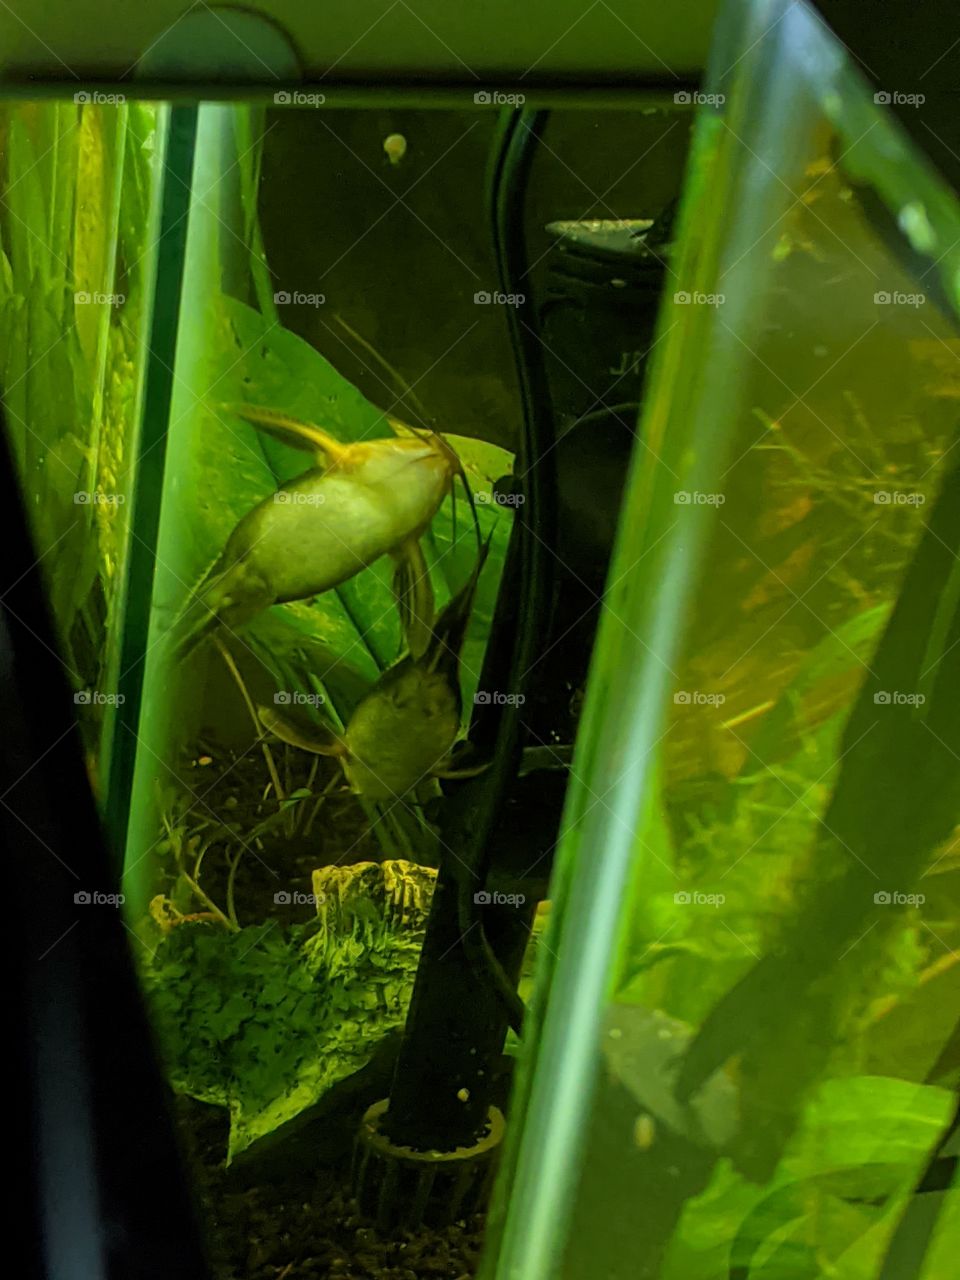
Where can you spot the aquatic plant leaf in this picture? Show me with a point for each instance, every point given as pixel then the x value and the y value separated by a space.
pixel 69 371
pixel 858 1148
pixel 266 1020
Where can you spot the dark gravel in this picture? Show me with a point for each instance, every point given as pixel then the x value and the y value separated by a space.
pixel 307 1226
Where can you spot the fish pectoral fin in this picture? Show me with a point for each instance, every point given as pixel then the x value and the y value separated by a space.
pixel 327 449
pixel 299 732
pixel 414 595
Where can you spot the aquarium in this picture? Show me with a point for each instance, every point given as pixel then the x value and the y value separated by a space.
pixel 427 484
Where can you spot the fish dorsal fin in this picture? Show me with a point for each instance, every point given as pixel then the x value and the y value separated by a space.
pixel 327 449
pixel 403 429
pixel 299 732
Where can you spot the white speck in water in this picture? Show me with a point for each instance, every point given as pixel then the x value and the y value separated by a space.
pixel 615 1033
pixel 395 148
pixel 644 1131
pixel 463 1095
pixel 820 351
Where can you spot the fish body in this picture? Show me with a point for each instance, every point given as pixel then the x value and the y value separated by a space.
pixel 318 530
pixel 402 731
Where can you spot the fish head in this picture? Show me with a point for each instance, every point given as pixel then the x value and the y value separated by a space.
pixel 401 731
pixel 411 475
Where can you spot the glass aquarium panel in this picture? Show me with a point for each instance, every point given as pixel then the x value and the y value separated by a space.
pixel 78 205
pixel 748 993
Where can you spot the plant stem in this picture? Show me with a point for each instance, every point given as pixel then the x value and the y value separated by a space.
pixel 231 907
pixel 267 753
pixel 320 800
pixel 209 903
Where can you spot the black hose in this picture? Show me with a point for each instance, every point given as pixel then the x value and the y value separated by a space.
pixel 534 527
